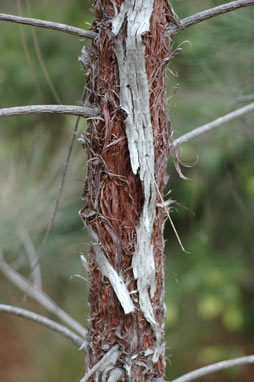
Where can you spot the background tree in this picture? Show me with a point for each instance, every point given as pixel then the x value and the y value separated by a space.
pixel 206 305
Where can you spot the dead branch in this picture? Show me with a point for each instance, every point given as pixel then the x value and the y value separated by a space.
pixel 37 294
pixel 215 367
pixel 85 112
pixel 207 14
pixel 211 125
pixel 48 25
pixel 244 98
pixel 65 332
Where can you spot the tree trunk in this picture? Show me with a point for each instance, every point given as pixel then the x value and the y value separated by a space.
pixel 127 148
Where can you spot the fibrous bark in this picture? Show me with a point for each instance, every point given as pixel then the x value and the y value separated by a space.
pixel 127 153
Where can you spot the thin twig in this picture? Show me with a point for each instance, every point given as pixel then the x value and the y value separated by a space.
pixel 29 60
pixel 58 100
pixel 211 125
pixel 85 112
pixel 32 256
pixel 48 25
pixel 41 297
pixel 166 210
pixel 60 189
pixel 207 14
pixel 65 332
pixel 39 56
pixel 215 367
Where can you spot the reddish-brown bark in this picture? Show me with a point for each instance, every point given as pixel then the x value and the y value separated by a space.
pixel 114 195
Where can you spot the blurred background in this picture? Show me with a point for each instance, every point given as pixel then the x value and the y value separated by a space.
pixel 209 290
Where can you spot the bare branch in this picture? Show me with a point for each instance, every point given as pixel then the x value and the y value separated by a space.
pixel 65 332
pixel 41 297
pixel 215 367
pixel 211 125
pixel 207 14
pixel 86 112
pixel 244 98
pixel 48 25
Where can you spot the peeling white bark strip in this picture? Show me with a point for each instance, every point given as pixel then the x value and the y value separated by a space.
pixel 116 280
pixel 134 100
pixel 108 271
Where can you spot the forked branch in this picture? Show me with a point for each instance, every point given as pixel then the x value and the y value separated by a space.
pixel 48 25
pixel 211 125
pixel 65 332
pixel 85 112
pixel 207 14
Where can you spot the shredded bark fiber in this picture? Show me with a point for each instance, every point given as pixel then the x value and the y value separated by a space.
pixel 114 196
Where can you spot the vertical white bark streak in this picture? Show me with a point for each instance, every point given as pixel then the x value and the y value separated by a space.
pixel 108 271
pixel 116 280
pixel 134 100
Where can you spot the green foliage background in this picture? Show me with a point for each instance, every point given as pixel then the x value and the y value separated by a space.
pixel 209 291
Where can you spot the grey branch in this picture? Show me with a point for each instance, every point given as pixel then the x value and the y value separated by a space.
pixel 207 14
pixel 37 294
pixel 211 125
pixel 244 98
pixel 85 112
pixel 65 332
pixel 48 25
pixel 215 367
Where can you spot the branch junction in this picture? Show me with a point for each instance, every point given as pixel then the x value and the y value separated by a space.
pixel 207 14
